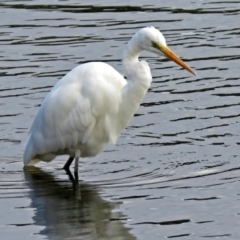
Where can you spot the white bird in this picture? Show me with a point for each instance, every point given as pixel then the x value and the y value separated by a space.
pixel 91 105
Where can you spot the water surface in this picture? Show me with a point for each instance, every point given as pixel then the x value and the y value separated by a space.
pixel 174 172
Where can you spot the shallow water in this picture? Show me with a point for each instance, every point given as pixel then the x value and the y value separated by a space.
pixel 174 172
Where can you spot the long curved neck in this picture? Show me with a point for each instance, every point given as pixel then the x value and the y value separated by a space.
pixel 131 53
pixel 139 80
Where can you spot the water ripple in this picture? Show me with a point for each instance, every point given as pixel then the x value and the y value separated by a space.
pixel 174 172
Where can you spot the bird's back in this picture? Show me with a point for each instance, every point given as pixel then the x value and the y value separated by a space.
pixel 82 101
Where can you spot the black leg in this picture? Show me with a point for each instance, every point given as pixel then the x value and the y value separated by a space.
pixel 77 189
pixel 76 176
pixel 71 178
pixel 68 163
pixel 75 182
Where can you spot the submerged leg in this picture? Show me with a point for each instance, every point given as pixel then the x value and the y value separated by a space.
pixel 75 182
pixel 78 192
pixel 71 178
pixel 77 156
pixel 68 163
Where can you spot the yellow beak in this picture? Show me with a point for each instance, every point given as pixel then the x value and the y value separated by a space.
pixel 172 56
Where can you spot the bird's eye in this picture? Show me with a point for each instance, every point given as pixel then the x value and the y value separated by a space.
pixel 154 44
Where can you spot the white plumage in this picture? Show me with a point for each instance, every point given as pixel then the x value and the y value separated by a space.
pixel 93 103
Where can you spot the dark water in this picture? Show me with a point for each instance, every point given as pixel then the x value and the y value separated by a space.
pixel 174 172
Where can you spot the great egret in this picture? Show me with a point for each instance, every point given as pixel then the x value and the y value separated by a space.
pixel 93 103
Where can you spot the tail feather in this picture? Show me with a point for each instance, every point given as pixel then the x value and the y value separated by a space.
pixel 32 162
pixel 28 153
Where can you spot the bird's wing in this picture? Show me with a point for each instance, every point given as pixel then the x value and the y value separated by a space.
pixel 65 119
pixel 70 111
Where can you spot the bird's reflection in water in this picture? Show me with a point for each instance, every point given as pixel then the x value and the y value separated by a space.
pixel 72 211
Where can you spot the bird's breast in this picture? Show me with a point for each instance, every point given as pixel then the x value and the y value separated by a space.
pixel 95 144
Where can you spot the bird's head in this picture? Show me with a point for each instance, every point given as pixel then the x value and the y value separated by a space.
pixel 152 40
